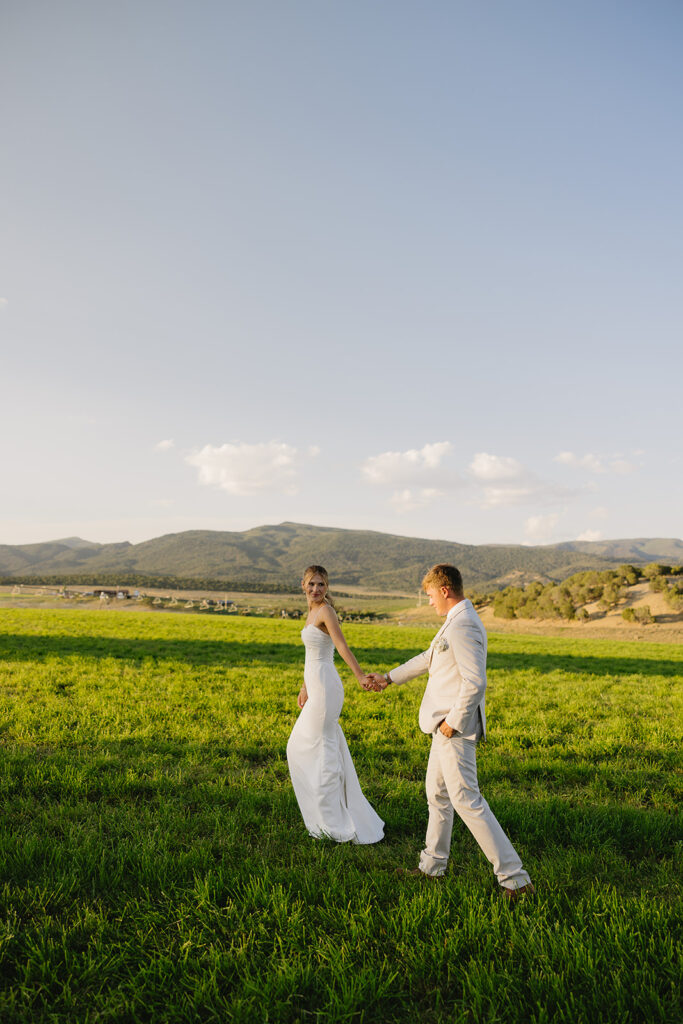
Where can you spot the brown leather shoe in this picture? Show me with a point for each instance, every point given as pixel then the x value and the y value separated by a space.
pixel 512 895
pixel 408 874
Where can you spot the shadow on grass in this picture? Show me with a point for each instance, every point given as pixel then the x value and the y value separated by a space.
pixel 583 663
pixel 22 647
pixel 246 791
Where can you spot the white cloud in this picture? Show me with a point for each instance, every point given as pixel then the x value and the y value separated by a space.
pixel 540 529
pixel 493 496
pixel 164 446
pixel 588 461
pixel 245 469
pixel 596 463
pixel 590 535
pixel 503 481
pixel 407 499
pixel 487 467
pixel 419 476
pixel 3 303
pixel 408 468
pixel 600 512
pixel 622 466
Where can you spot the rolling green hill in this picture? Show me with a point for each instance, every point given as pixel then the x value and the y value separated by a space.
pixel 277 554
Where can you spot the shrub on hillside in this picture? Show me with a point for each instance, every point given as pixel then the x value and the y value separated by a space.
pixel 546 601
pixel 585 587
pixel 655 569
pixel 533 610
pixel 503 607
pixel 611 595
pixel 628 574
pixel 674 596
pixel 628 615
pixel 643 615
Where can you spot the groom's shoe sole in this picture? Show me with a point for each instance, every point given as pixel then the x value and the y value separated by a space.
pixel 513 895
pixel 410 874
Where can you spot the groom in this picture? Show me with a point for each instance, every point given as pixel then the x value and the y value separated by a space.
pixel 453 712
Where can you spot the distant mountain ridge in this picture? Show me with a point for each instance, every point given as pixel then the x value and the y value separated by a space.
pixel 641 549
pixel 277 555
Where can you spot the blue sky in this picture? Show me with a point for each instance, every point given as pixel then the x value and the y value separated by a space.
pixel 388 265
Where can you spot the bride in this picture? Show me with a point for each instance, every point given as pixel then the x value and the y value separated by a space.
pixel 324 778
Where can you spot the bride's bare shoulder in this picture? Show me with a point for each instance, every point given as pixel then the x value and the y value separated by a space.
pixel 327 617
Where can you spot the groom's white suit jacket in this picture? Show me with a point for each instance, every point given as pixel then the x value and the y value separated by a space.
pixel 456 662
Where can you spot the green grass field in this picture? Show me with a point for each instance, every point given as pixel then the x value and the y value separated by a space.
pixel 155 866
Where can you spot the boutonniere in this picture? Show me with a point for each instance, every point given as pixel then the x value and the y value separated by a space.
pixel 441 646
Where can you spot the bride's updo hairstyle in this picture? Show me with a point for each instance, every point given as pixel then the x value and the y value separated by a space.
pixel 317 570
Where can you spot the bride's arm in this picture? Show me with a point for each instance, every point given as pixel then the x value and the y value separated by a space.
pixel 329 617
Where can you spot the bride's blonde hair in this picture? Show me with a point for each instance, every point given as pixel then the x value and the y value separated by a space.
pixel 317 570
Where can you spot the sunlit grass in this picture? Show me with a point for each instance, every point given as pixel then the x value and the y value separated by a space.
pixel 155 866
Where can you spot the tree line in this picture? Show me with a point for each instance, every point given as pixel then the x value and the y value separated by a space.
pixel 133 579
pixel 567 600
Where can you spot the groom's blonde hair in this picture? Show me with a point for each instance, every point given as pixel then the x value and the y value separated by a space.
pixel 443 575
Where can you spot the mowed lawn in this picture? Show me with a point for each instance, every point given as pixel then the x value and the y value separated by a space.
pixel 154 866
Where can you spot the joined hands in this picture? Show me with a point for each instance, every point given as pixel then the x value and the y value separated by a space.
pixel 374 683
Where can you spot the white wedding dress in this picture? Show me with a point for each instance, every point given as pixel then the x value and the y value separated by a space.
pixel 324 778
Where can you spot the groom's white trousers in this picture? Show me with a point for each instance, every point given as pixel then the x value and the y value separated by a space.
pixel 452 784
